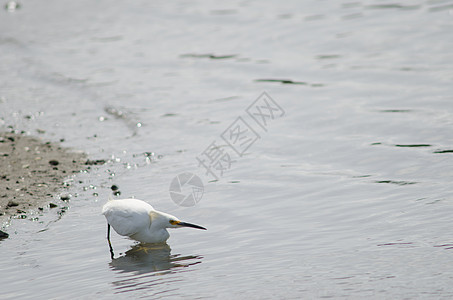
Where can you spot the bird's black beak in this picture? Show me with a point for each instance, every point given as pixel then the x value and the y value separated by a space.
pixel 184 224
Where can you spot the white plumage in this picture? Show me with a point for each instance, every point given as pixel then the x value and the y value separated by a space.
pixel 140 221
pixel 127 216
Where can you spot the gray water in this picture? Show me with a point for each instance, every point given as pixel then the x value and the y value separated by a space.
pixel 347 195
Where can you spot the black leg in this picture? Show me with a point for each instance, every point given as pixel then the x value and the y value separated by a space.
pixel 108 239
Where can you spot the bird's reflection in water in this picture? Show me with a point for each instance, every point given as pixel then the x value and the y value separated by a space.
pixel 143 262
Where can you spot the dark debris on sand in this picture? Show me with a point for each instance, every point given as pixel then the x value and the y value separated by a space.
pixel 32 171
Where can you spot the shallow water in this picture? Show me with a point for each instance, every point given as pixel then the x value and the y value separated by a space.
pixel 347 195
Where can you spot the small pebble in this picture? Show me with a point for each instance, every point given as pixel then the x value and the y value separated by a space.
pixel 95 162
pixel 3 235
pixel 12 203
pixel 65 197
pixel 53 162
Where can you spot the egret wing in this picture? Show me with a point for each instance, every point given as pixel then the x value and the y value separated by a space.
pixel 125 217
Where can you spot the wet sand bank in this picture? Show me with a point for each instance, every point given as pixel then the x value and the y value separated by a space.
pixel 32 174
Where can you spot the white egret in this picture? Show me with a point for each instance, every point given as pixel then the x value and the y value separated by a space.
pixel 140 221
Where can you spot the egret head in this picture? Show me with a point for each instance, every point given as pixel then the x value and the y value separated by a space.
pixel 168 221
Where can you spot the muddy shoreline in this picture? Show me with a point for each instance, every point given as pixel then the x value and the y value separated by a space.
pixel 33 173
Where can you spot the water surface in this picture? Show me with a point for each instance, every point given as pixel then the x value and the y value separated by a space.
pixel 348 195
